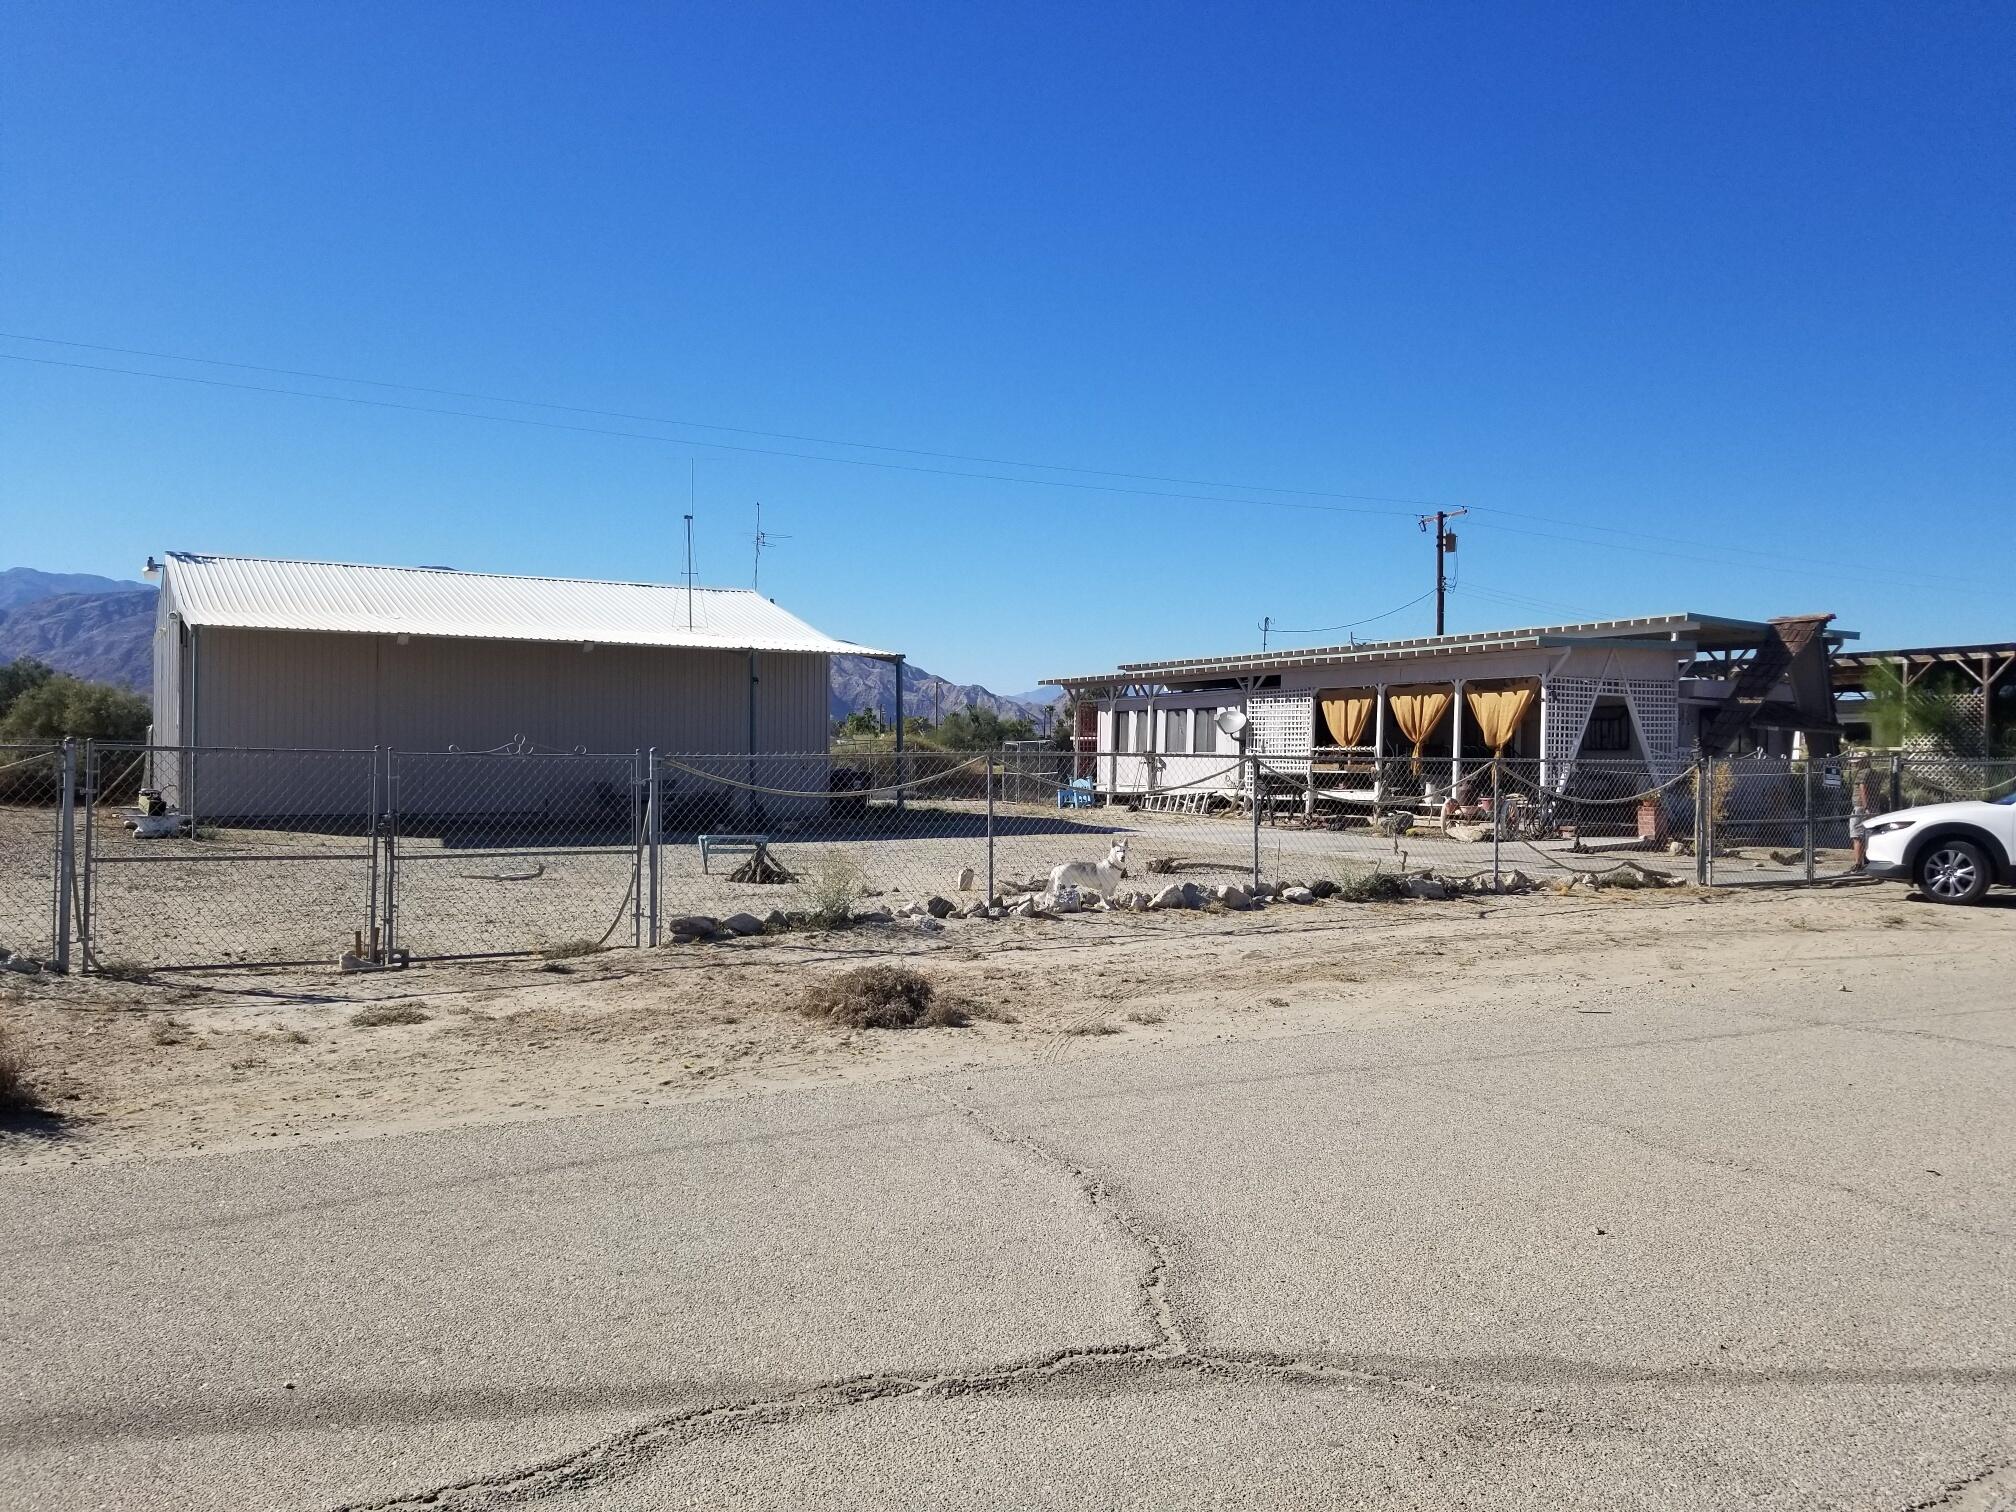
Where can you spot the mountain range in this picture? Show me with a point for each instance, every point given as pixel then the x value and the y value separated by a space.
pixel 102 628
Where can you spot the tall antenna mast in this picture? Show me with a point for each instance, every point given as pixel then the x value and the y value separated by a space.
pixel 763 538
pixel 689 572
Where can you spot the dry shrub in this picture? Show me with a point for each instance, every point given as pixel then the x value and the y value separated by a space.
pixel 1091 1029
pixel 1370 887
pixel 14 1094
pixel 882 997
pixel 1144 1016
pixel 389 1013
pixel 570 950
pixel 833 892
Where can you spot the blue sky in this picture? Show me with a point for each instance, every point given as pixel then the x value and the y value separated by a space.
pixel 1735 277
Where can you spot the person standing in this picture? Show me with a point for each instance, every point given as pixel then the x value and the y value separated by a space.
pixel 1862 805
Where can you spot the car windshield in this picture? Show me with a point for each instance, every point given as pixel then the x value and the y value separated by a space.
pixel 2007 800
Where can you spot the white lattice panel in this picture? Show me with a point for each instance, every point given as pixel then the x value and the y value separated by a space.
pixel 1283 724
pixel 1570 701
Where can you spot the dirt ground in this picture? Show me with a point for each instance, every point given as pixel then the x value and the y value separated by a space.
pixel 226 1060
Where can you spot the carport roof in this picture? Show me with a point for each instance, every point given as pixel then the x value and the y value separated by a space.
pixel 263 593
pixel 1704 631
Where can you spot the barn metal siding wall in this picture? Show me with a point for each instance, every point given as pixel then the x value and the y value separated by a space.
pixel 307 689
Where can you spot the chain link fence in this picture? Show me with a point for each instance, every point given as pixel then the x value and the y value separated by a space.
pixel 32 779
pixel 178 857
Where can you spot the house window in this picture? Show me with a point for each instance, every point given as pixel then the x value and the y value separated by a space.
pixel 1204 731
pixel 1609 732
pixel 1176 731
pixel 1123 723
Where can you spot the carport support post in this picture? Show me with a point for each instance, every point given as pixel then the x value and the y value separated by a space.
pixel 990 830
pixel 66 853
pixel 900 793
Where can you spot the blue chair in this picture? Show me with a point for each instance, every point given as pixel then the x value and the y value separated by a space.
pixel 1078 795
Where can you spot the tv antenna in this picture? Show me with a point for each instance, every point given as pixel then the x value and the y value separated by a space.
pixel 689 574
pixel 763 538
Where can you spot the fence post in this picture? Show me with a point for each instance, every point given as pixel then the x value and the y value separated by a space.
pixel 653 826
pixel 1896 783
pixel 390 829
pixel 66 854
pixel 1255 757
pixel 1704 843
pixel 371 812
pixel 990 830
pixel 1497 824
pixel 88 861
pixel 1809 816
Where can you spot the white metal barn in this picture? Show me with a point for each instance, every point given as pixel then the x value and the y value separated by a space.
pixel 253 653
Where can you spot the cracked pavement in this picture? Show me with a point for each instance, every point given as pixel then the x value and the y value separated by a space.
pixel 1673 1255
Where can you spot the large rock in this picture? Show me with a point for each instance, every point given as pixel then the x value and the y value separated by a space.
pixel 940 908
pixel 1432 888
pixel 1173 896
pixel 874 916
pixel 967 877
pixel 1297 895
pixel 1260 891
pixel 693 927
pixel 1193 895
pixel 742 924
pixel 1233 896
pixel 1024 908
pixel 1323 887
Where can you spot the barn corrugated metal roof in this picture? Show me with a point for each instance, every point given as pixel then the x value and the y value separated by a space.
pixel 264 593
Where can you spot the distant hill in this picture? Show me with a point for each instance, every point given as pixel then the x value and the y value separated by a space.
pixel 859 682
pixel 28 585
pixel 107 637
pixel 105 631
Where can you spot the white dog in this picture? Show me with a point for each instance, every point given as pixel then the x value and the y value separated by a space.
pixel 1102 877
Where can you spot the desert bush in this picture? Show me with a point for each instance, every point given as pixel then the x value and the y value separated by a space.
pixel 833 891
pixel 1370 887
pixel 569 950
pixel 14 1094
pixel 389 1013
pixel 882 997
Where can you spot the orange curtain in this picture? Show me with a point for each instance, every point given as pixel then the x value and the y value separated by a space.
pixel 1498 711
pixel 1417 710
pixel 1347 714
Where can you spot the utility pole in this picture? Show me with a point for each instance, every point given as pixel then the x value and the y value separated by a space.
pixel 1445 543
pixel 1266 625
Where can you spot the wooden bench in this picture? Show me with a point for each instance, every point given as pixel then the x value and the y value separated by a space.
pixel 733 844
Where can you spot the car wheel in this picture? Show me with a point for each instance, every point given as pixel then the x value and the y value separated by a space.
pixel 1953 871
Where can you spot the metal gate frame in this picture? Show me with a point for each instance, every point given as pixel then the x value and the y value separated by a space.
pixel 388 909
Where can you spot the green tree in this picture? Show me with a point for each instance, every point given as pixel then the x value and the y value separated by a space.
pixel 19 677
pixel 862 724
pixel 59 706
pixel 977 729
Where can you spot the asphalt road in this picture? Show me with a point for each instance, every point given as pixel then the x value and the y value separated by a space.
pixel 1677 1250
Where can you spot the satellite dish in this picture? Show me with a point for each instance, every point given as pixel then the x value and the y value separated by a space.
pixel 1232 722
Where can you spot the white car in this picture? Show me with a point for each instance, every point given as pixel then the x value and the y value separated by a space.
pixel 1953 851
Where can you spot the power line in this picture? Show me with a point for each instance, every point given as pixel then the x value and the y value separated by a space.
pixel 1815 566
pixel 1354 624
pixel 760 451
pixel 735 430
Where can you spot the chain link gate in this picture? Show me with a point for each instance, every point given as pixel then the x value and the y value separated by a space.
pixel 511 851
pixel 261 857
pixel 37 784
